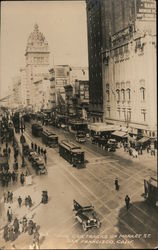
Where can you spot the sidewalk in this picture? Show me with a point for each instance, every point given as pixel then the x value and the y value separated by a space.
pixel 19 213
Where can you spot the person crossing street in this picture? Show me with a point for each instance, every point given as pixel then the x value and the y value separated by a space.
pixel 127 201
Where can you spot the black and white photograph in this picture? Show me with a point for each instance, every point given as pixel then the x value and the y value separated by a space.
pixel 78 124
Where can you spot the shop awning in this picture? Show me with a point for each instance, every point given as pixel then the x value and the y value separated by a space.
pixel 144 139
pixel 102 127
pixel 120 134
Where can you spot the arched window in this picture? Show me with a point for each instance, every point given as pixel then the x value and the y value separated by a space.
pixel 118 95
pixel 123 94
pixel 142 93
pixel 107 95
pixel 107 92
pixel 128 92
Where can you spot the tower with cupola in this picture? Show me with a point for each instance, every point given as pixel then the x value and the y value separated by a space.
pixel 37 60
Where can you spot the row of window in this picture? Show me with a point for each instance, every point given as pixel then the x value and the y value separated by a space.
pixel 127 115
pixel 125 95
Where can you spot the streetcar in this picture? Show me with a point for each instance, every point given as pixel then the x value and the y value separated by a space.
pixel 49 138
pixel 37 129
pixel 72 153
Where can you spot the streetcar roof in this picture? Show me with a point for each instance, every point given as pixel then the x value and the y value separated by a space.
pixel 69 145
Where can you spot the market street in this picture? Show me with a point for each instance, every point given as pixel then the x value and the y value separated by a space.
pixel 92 185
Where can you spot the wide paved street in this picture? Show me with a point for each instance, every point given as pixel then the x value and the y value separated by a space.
pixel 136 228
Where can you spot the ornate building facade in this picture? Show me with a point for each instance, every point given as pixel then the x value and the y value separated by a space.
pixel 37 61
pixel 129 70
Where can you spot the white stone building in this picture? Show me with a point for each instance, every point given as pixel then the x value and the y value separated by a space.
pixel 37 61
pixel 129 81
pixel 42 97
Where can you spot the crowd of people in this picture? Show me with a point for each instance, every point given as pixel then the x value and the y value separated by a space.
pixel 18 226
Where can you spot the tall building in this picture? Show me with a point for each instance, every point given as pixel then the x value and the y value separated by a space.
pixel 129 67
pixel 95 44
pixel 123 40
pixel 37 60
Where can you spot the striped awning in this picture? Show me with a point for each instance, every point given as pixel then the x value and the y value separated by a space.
pixel 120 134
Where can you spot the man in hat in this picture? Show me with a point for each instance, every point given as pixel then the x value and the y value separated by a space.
pixel 127 201
pixel 19 201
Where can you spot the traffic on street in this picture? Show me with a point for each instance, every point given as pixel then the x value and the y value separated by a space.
pixel 78 193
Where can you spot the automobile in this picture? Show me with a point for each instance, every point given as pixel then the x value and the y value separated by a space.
pixel 80 137
pixel 40 167
pixel 32 155
pixel 111 145
pixel 86 216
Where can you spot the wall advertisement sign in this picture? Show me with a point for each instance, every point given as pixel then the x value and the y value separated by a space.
pixel 146 10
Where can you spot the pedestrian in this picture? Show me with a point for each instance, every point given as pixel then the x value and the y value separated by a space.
pixel 11 197
pixel 16 227
pixel 5 197
pixel 26 202
pixel 141 150
pixel 8 196
pixel 19 201
pixel 9 214
pixel 45 158
pixel 20 227
pixel 36 238
pixel 45 151
pixel 42 151
pixel 13 176
pixel 24 222
pixel 30 227
pixel 22 179
pixel 116 184
pixel 6 233
pixel 39 149
pixel 11 233
pixel 29 201
pixel 9 151
pixel 127 201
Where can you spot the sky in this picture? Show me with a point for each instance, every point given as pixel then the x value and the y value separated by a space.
pixel 63 23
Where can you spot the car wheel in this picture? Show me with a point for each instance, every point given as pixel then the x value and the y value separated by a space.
pixel 84 226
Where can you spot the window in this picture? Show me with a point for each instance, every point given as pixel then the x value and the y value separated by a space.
pixel 118 95
pixel 126 48
pixel 128 115
pixel 128 92
pixel 108 111
pixel 153 134
pixel 118 114
pixel 142 94
pixel 124 114
pixel 143 112
pixel 123 94
pixel 107 95
pixel 107 92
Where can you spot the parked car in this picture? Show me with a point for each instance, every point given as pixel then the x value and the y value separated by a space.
pixel 86 216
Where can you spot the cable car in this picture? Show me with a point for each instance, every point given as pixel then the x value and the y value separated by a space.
pixel 49 138
pixel 37 129
pixel 72 153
